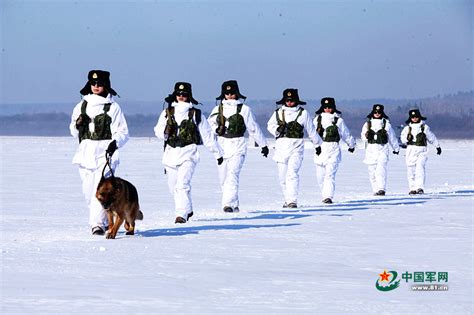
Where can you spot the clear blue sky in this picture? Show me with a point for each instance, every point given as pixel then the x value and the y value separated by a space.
pixel 346 49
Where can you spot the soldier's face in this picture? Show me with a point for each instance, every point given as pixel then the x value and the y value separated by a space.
pixel 328 110
pixel 290 103
pixel 415 119
pixel 97 88
pixel 230 96
pixel 182 97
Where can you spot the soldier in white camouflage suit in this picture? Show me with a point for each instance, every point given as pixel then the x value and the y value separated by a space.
pixel 288 124
pixel 416 135
pixel 379 136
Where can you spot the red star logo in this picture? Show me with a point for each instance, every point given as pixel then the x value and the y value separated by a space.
pixel 384 276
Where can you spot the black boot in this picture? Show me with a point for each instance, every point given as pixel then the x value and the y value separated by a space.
pixel 97 230
pixel 420 191
pixel 380 193
pixel 180 220
pixel 327 201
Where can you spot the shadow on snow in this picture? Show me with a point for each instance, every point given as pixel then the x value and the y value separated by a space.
pixel 197 229
pixel 303 212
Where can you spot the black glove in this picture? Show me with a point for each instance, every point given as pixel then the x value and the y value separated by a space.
pixel 438 150
pixel 265 151
pixel 111 148
pixel 318 150
pixel 221 130
pixel 351 150
pixel 409 137
pixel 220 160
pixel 280 132
pixel 395 152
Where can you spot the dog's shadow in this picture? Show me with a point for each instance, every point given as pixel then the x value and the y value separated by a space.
pixel 180 231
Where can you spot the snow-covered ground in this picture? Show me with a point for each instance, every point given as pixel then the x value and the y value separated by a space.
pixel 315 259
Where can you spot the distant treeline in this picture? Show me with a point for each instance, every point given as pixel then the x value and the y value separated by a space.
pixel 449 116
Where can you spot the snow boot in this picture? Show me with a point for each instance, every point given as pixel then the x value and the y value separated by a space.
pixel 183 220
pixel 412 192
pixel 292 205
pixel 180 220
pixel 327 201
pixel 97 230
pixel 420 191
pixel 228 209
pixel 380 193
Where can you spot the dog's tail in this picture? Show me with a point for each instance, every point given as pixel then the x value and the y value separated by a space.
pixel 139 215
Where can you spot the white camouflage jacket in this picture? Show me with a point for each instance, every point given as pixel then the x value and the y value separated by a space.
pixel 236 146
pixel 285 147
pixel 91 153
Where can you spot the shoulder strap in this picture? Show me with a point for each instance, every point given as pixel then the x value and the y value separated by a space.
pixel 369 123
pixel 422 128
pixel 83 107
pixel 318 120
pixel 221 115
pixel 107 107
pixel 277 117
pixel 384 123
pixel 300 111
pixel 239 108
pixel 169 112
pixel 196 113
pixel 335 120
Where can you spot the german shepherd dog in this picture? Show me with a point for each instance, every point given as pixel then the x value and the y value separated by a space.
pixel 120 198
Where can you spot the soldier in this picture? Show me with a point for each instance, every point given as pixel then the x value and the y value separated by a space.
pixel 379 134
pixel 416 136
pixel 288 124
pixel 229 120
pixel 100 126
pixel 331 128
pixel 183 127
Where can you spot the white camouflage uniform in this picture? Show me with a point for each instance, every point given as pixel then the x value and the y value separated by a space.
pixel 289 152
pixel 90 155
pixel 235 149
pixel 416 156
pixel 180 162
pixel 377 155
pixel 328 161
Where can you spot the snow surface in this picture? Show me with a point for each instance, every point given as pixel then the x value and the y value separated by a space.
pixel 265 259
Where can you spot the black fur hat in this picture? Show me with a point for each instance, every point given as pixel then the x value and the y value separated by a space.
pixel 181 87
pixel 414 113
pixel 377 108
pixel 101 77
pixel 290 95
pixel 327 102
pixel 230 87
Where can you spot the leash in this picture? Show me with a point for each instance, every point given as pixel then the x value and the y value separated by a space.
pixel 107 163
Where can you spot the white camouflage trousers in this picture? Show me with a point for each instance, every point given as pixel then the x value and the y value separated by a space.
pixel 179 184
pixel 378 175
pixel 229 177
pixel 416 174
pixel 288 174
pixel 326 175
pixel 90 181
